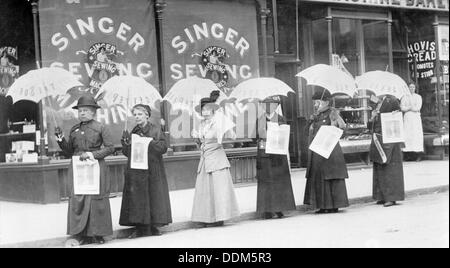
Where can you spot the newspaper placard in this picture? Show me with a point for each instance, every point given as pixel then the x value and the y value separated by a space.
pixel 139 151
pixel 326 139
pixel 277 138
pixel 392 127
pixel 86 176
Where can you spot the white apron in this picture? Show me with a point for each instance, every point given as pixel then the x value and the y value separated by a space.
pixel 411 105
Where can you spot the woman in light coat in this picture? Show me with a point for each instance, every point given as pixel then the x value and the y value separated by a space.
pixel 215 199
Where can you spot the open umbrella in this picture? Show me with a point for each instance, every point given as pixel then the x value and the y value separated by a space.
pixel 260 88
pixel 38 84
pixel 331 78
pixel 128 90
pixel 186 93
pixel 382 83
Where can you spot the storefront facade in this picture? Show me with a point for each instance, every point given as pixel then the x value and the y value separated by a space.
pixel 361 36
pixel 146 40
pixel 162 42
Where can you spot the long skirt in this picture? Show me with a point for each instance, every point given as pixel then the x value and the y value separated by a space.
pixel 414 132
pixel 145 200
pixel 214 198
pixel 135 209
pixel 326 194
pixel 90 215
pixel 274 191
pixel 388 183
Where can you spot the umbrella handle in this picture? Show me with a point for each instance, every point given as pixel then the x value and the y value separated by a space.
pixel 127 108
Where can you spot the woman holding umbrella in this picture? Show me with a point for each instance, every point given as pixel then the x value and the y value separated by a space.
pixel 89 216
pixel 146 201
pixel 325 185
pixel 388 184
pixel 214 199
pixel 274 192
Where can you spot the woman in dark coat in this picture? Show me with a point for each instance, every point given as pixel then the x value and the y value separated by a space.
pixel 89 216
pixel 146 201
pixel 388 184
pixel 325 184
pixel 274 191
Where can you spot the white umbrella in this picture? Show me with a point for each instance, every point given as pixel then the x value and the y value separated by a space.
pixel 331 78
pixel 186 93
pixel 38 84
pixel 382 83
pixel 260 88
pixel 129 90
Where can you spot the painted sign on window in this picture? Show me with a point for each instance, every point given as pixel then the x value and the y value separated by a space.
pixel 216 40
pixel 96 40
pixel 421 58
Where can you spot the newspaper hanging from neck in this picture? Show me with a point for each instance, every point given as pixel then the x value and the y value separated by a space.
pixel 326 139
pixel 139 151
pixel 392 127
pixel 277 139
pixel 86 176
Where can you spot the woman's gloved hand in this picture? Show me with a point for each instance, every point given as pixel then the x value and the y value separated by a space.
pixel 126 138
pixel 58 133
pixel 84 156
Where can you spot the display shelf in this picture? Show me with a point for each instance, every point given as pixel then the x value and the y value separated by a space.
pixel 355 109
pixel 17 134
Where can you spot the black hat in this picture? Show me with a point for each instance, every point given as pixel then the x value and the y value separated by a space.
pixel 145 107
pixel 86 100
pixel 321 94
pixel 214 95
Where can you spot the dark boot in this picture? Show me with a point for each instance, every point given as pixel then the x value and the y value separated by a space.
pixel 84 240
pixel 99 240
pixel 389 204
pixel 321 211
pixel 334 210
pixel 135 234
pixel 216 224
pixel 279 214
pixel 267 215
pixel 155 231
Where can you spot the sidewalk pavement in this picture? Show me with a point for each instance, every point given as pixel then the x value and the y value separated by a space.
pixel 36 225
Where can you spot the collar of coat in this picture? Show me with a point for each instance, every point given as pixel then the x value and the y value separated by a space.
pixel 145 129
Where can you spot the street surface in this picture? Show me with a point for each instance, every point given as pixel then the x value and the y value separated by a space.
pixel 419 221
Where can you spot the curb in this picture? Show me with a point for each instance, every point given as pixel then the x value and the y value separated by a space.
pixel 61 242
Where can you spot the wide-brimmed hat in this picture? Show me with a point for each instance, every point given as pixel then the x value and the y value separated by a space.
pixel 86 101
pixel 210 101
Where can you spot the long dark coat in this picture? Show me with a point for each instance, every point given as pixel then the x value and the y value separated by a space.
pixel 146 198
pixel 274 191
pixel 388 182
pixel 89 215
pixel 325 184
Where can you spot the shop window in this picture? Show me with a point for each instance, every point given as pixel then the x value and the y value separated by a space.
pixel 286 27
pixel 376 51
pixel 320 52
pixel 345 43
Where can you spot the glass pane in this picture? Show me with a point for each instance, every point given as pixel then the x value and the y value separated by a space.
pixel 320 41
pixel 345 44
pixel 375 45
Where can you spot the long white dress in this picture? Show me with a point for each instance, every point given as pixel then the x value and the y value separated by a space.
pixel 214 198
pixel 412 122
